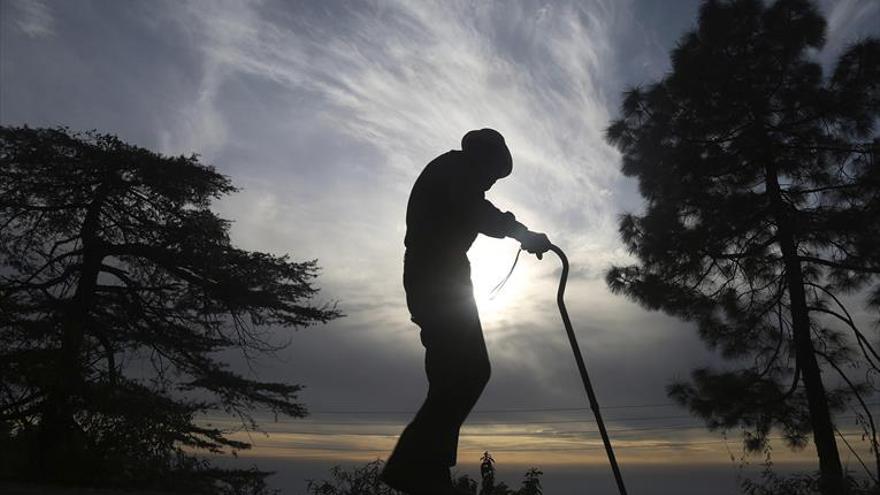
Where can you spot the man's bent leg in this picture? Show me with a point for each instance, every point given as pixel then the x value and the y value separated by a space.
pixel 457 366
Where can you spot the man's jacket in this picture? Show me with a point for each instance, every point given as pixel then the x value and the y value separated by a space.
pixel 447 209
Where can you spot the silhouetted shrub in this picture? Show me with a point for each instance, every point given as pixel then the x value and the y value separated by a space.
pixel 364 480
pixel 799 484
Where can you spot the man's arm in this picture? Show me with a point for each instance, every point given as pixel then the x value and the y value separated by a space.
pixel 471 205
pixel 493 222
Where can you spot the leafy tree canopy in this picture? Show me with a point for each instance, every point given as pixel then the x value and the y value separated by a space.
pixel 762 209
pixel 119 287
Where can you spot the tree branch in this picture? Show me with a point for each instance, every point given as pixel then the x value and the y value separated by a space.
pixel 835 264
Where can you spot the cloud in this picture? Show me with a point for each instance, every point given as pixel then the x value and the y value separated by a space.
pixel 378 90
pixel 408 78
pixel 33 17
pixel 848 22
pixel 326 115
pixel 842 15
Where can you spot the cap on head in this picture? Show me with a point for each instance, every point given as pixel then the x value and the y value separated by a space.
pixel 489 147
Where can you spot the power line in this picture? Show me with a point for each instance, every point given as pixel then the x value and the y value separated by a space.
pixel 585 448
pixel 489 422
pixel 509 410
pixel 509 421
pixel 500 434
pixel 497 411
pixel 618 429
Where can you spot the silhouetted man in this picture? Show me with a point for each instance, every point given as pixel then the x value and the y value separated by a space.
pixel 447 209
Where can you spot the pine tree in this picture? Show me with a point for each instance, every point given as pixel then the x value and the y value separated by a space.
pixel 762 209
pixel 531 484
pixel 118 289
pixel 487 474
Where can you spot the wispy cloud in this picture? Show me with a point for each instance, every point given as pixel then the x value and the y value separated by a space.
pixel 379 90
pixel 392 85
pixel 408 78
pixel 33 17
pixel 848 22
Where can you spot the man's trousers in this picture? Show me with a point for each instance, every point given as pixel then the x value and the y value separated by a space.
pixel 440 300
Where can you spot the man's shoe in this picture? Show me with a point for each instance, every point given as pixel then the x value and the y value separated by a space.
pixel 418 479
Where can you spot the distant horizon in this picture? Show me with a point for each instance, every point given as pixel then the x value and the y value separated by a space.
pixel 520 446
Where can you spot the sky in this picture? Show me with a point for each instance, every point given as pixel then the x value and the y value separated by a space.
pixel 324 113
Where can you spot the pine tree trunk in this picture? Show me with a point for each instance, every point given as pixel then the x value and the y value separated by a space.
pixel 60 445
pixel 832 481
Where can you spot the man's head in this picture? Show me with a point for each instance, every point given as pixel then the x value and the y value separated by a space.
pixel 487 150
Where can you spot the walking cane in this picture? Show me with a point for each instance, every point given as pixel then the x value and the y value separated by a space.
pixel 594 404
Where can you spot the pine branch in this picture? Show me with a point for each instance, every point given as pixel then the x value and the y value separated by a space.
pixel 838 265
